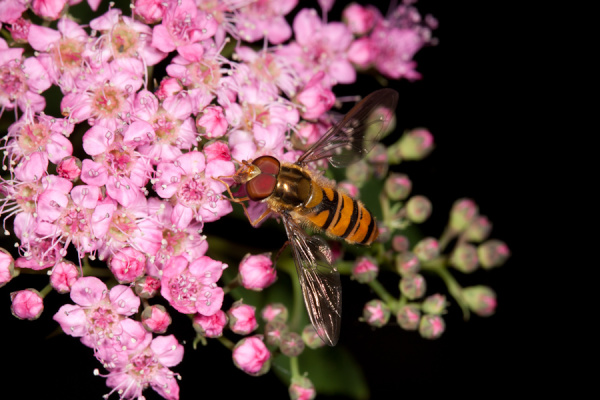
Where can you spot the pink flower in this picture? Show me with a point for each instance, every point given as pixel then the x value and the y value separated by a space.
pixel 19 29
pixel 97 312
pixel 191 287
pixel 105 96
pixel 265 18
pixel 257 272
pixel 27 304
pixel 62 52
pixel 156 319
pixel 63 276
pixel 127 264
pixel 210 326
pixel 251 356
pixel 183 24
pixel 7 267
pixel 242 319
pixel 148 366
pixel 124 37
pixel 320 47
pixel 21 81
pixel 188 242
pixel 189 180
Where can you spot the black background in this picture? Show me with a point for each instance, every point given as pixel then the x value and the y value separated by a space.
pixel 470 100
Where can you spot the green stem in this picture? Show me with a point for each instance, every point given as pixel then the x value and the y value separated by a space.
pixel 226 342
pixel 234 283
pixel 446 237
pixel 45 290
pixel 384 294
pixel 438 266
pixel 294 367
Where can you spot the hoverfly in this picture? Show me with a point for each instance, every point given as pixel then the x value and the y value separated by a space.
pixel 304 198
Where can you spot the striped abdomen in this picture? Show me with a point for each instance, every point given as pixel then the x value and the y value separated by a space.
pixel 340 215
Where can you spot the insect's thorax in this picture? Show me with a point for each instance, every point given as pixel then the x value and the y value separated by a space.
pixel 294 187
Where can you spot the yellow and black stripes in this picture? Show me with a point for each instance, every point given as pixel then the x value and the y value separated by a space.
pixel 340 215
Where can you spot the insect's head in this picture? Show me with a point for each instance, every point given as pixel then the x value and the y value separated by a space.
pixel 260 177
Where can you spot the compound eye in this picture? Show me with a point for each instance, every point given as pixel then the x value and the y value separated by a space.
pixel 261 186
pixel 267 165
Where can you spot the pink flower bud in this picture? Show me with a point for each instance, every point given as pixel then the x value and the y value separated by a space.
pixel 413 287
pixel 212 123
pixel 481 300
pixel 315 98
pixel 407 264
pixel 427 249
pixel 19 30
pixel 302 388
pixel 217 151
pixel 397 186
pixel 358 173
pixel 408 317
pixel 418 209
pixel 241 318
pixel 168 87
pixel 128 264
pixel 364 270
pixel 462 214
pixel 257 272
pixel 434 304
pixel 431 326
pixel 27 304
pixel 156 319
pixel 147 287
pixel 274 331
pixel 479 229
pixel 415 144
pixel 360 20
pixel 69 168
pixel 63 276
pixel 7 267
pixel 274 311
pixel 252 356
pixel 362 52
pixel 210 326
pixel 291 344
pixel 464 258
pixel 493 253
pixel 376 313
pixel 400 243
pixel 349 188
pixel 311 337
pixel 48 9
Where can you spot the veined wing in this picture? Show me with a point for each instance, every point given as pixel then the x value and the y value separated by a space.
pixel 356 134
pixel 320 282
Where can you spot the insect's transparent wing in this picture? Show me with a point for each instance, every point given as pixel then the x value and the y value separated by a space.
pixel 319 280
pixel 356 134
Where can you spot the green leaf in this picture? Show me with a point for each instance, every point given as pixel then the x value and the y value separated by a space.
pixel 332 370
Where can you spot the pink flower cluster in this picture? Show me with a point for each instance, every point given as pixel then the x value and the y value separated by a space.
pixel 127 174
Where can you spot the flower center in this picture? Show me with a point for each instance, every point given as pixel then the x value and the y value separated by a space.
pixel 33 137
pixel 184 289
pixel 68 53
pixel 107 101
pixel 124 41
